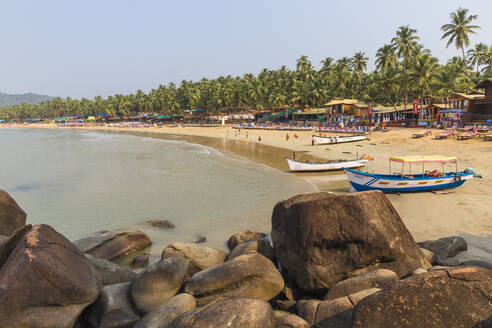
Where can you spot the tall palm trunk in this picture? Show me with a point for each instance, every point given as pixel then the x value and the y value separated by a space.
pixel 464 59
pixel 405 87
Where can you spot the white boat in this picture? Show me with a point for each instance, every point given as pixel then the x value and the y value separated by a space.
pixel 318 140
pixel 297 166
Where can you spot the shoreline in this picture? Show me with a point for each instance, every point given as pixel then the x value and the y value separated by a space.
pixel 464 211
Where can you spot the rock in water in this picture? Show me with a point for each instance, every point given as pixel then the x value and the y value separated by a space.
pixel 12 217
pixel 444 248
pixel 158 283
pixel 112 309
pixel 111 245
pixel 260 245
pixel 320 239
pixel 200 257
pixel 167 312
pixel 251 275
pixel 446 297
pixel 164 224
pixel 228 312
pixel 109 273
pixel 45 281
pixel 242 237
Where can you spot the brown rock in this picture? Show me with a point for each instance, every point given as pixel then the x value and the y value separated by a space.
pixel 381 278
pixel 289 320
pixel 285 305
pixel 164 224
pixel 335 313
pixel 112 308
pixel 45 281
pixel 111 245
pixel 228 312
pixel 165 313
pixel 307 309
pixel 444 248
pixel 260 245
pixel 158 283
pixel 359 296
pixel 200 257
pixel 445 297
pixel 109 273
pixel 429 255
pixel 12 217
pixel 250 275
pixel 320 239
pixel 140 261
pixel 242 237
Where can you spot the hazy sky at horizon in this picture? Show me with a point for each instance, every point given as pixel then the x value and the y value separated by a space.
pixel 88 48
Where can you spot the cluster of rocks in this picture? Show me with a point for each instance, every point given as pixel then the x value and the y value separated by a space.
pixel 332 261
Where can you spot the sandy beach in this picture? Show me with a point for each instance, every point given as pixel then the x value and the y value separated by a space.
pixel 466 211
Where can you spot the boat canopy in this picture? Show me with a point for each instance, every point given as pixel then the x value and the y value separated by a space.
pixel 423 159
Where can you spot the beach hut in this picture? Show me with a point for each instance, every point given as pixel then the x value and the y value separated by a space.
pixel 310 115
pixel 346 111
pixel 481 108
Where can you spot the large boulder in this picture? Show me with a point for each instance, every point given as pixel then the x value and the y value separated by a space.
pixel 12 217
pixel 444 297
pixel 251 275
pixel 320 239
pixel 165 313
pixel 109 273
pixel 112 309
pixel 242 237
pixel 444 248
pixel 260 245
pixel 228 312
pixel 45 281
pixel 381 278
pixel 111 245
pixel 158 283
pixel 200 257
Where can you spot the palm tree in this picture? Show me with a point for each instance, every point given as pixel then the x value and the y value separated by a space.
pixel 477 55
pixel 386 57
pixel 423 71
pixel 404 43
pixel 459 29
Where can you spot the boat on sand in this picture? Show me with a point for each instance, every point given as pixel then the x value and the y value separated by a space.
pixel 400 182
pixel 311 166
pixel 320 140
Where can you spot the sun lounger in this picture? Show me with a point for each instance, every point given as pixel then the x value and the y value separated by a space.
pixel 487 137
pixel 444 135
pixel 467 135
pixel 422 134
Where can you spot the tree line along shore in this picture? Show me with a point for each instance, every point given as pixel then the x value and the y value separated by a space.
pixel 404 69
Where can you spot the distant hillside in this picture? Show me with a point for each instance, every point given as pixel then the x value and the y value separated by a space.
pixel 30 98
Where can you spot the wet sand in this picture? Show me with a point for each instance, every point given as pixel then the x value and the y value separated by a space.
pixel 465 211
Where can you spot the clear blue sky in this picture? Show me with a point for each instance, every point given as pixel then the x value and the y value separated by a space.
pixel 88 48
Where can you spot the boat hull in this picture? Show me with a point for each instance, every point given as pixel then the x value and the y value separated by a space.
pixel 336 140
pixel 365 181
pixel 296 166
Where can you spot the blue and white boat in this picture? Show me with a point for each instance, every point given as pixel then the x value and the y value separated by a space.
pixel 400 182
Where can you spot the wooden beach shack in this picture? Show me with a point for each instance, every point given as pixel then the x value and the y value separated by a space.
pixel 481 108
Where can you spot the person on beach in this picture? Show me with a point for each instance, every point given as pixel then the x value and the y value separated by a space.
pixel 259 138
pixel 312 141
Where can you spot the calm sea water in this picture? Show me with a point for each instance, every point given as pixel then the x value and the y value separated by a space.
pixel 81 181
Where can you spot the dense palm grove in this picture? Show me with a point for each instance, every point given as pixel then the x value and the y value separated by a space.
pixel 405 69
